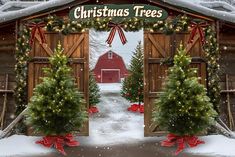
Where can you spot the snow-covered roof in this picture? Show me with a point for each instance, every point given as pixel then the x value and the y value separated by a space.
pixel 220 9
pixel 10 10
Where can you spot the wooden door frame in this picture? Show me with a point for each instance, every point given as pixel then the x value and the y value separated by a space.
pixel 147 93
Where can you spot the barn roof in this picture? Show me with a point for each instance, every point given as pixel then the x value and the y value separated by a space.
pixel 108 52
pixel 220 9
pixel 113 53
pixel 105 53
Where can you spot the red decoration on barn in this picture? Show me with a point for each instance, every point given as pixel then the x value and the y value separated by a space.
pixel 37 28
pixel 197 27
pixel 110 68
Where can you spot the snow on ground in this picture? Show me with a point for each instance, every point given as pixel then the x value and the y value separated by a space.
pixel 114 124
pixel 215 145
pixel 110 87
pixel 17 145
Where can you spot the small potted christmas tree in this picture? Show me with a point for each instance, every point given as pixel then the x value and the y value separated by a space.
pixel 183 109
pixel 56 108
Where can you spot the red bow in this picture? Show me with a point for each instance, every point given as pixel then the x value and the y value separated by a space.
pixel 116 27
pixel 172 139
pixel 136 107
pixel 36 27
pixel 58 142
pixel 197 26
pixel 93 109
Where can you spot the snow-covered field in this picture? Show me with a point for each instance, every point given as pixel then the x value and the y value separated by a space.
pixel 114 125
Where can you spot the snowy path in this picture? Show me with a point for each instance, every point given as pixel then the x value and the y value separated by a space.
pixel 114 124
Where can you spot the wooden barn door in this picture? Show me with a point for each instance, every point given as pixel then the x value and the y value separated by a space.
pixel 76 47
pixel 157 47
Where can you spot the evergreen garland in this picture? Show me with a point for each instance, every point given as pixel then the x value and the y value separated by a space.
pixel 22 57
pixel 212 56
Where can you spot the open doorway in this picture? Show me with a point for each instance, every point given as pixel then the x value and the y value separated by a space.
pixel 110 65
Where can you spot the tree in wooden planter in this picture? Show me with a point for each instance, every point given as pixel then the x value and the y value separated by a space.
pixel 56 107
pixel 183 108
pixel 94 94
pixel 133 85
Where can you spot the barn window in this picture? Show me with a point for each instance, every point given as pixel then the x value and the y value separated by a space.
pixel 110 55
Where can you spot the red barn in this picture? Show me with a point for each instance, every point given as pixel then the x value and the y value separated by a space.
pixel 110 68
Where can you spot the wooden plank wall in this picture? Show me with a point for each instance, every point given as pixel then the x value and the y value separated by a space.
pixel 227 64
pixel 7 64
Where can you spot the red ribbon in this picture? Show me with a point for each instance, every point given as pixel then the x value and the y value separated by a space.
pixel 58 142
pixel 36 27
pixel 116 27
pixel 136 107
pixel 93 109
pixel 172 139
pixel 197 26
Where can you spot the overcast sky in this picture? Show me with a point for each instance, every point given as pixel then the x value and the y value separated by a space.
pixel 123 50
pixel 126 50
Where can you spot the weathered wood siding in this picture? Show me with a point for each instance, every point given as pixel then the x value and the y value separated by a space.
pixel 227 64
pixel 7 64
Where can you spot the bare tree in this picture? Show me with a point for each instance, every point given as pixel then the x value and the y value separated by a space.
pixel 97 45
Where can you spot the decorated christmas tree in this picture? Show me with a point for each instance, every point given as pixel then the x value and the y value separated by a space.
pixel 56 107
pixel 94 93
pixel 133 85
pixel 183 108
